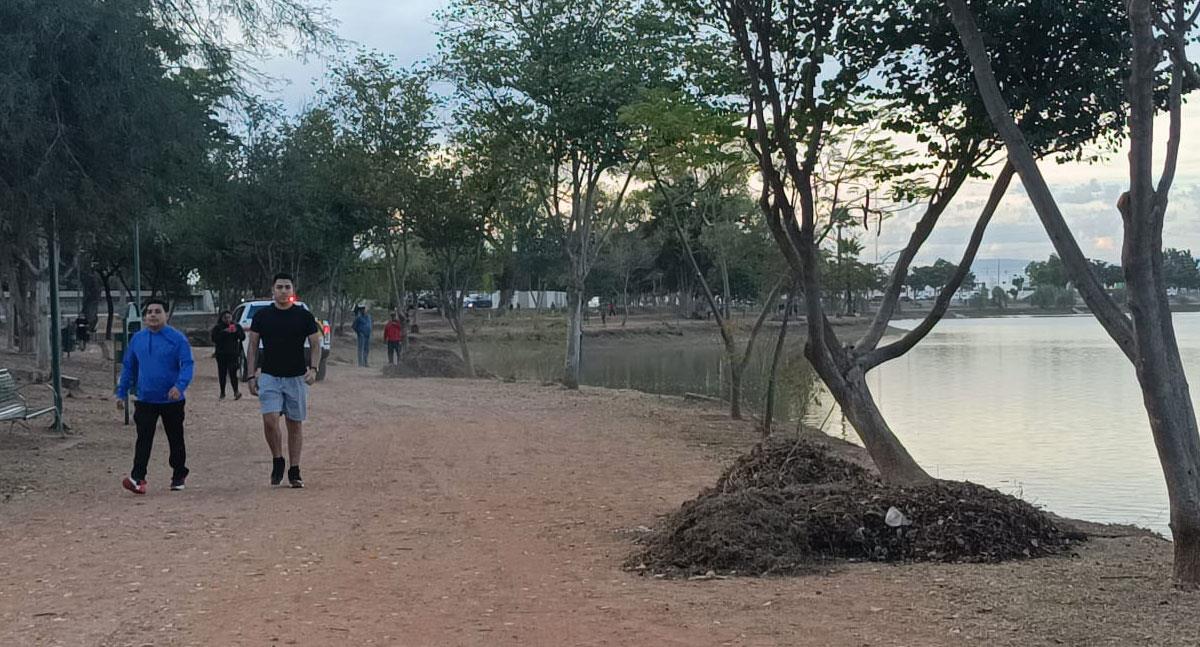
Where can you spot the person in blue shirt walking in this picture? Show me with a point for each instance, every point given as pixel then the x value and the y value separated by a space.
pixel 161 358
pixel 362 328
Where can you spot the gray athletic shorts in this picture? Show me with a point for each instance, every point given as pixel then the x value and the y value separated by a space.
pixel 286 395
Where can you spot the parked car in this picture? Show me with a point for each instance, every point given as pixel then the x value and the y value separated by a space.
pixel 478 302
pixel 244 314
pixel 427 301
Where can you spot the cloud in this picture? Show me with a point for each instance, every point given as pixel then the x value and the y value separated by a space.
pixel 405 29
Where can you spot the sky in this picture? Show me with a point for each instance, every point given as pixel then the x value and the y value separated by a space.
pixel 1086 194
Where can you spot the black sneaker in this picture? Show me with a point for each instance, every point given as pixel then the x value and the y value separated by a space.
pixel 177 483
pixel 294 477
pixel 277 470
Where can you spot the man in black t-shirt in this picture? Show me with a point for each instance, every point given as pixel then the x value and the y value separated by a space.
pixel 287 371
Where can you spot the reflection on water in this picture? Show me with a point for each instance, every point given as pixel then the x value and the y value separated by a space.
pixel 667 365
pixel 1042 407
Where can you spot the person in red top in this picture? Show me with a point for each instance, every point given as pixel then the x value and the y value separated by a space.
pixel 393 334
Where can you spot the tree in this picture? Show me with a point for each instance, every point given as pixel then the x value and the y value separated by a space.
pixel 628 255
pixel 939 275
pixel 999 297
pixel 807 74
pixel 558 73
pixel 1147 337
pixel 450 228
pixel 699 178
pixel 1049 273
pixel 105 119
pixel 385 114
pixel 1180 269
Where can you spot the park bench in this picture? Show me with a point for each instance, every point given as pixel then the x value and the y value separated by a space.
pixel 13 406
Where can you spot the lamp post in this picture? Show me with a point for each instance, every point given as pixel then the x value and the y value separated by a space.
pixel 137 264
pixel 55 332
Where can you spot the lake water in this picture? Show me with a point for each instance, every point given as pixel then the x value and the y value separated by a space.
pixel 1042 407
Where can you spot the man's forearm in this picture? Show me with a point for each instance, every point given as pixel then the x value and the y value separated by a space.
pixel 251 355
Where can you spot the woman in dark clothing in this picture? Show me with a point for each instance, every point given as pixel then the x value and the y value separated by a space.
pixel 227 336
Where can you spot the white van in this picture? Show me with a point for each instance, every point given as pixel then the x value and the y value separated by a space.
pixel 244 314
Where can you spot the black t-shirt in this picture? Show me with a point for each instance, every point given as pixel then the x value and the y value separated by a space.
pixel 283 333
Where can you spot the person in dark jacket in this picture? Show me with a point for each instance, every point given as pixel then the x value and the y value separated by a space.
pixel 227 336
pixel 362 328
pixel 160 358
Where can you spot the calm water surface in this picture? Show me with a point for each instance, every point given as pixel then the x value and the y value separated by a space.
pixel 1042 407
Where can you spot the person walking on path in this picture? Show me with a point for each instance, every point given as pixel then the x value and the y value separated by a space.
pixel 228 336
pixel 287 371
pixel 82 332
pixel 393 334
pixel 161 358
pixel 362 328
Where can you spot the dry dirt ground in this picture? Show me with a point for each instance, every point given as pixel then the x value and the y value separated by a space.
pixel 444 512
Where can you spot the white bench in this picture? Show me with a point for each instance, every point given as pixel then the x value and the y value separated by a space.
pixel 13 406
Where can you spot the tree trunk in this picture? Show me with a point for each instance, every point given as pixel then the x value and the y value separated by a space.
pixel 726 293
pixel 769 414
pixel 90 305
pixel 573 363
pixel 461 333
pixel 895 464
pixel 44 326
pixel 108 299
pixel 625 298
pixel 1149 340
pixel 1165 391
pixel 735 390
pixel 1168 402
pixel 8 279
pixel 738 370
pixel 26 305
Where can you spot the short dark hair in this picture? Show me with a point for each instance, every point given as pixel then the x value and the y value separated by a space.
pixel 146 305
pixel 285 276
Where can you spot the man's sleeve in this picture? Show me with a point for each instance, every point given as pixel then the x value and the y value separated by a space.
pixel 312 325
pixel 186 364
pixel 128 368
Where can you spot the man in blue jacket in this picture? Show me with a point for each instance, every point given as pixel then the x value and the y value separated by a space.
pixel 362 329
pixel 161 358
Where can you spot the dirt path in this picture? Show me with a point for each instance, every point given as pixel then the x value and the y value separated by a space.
pixel 445 512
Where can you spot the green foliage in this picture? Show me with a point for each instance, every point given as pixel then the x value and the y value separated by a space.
pixel 1063 71
pixel 102 117
pixel 450 226
pixel 936 276
pixel 1048 273
pixel 1050 296
pixel 384 115
pixel 999 297
pixel 1180 269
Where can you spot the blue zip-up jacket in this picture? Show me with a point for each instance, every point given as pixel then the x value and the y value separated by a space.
pixel 162 360
pixel 362 325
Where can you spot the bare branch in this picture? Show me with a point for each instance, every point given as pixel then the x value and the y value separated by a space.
pixel 768 306
pixel 954 174
pixel 903 345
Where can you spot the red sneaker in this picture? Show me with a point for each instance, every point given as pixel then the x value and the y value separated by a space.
pixel 137 488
